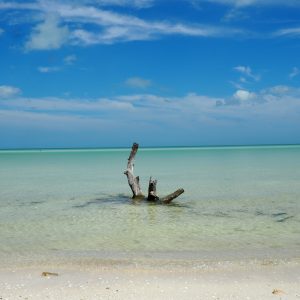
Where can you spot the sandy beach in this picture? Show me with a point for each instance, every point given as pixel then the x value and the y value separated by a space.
pixel 226 280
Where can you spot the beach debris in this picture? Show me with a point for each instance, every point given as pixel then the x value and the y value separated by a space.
pixel 278 292
pixel 46 274
pixel 134 183
pixel 268 263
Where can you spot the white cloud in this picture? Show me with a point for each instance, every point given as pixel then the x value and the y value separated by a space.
pixel 137 82
pixel 19 6
pixel 243 95
pixel 70 59
pixel 243 69
pixel 111 3
pixel 142 104
pixel 295 72
pixel 48 35
pixel 48 69
pixel 246 70
pixel 278 90
pixel 117 27
pixel 148 31
pixel 109 35
pixel 236 85
pixel 1 31
pixel 274 96
pixel 244 3
pixel 7 91
pixel 295 31
pixel 109 27
pixel 189 116
pixel 192 116
pixel 131 3
pixel 67 105
pixel 235 14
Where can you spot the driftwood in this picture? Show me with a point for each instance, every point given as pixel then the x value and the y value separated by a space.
pixel 134 183
pixel 152 196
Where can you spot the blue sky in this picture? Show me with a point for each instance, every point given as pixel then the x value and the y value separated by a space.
pixel 109 72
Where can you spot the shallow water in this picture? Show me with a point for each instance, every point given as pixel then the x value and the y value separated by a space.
pixel 71 202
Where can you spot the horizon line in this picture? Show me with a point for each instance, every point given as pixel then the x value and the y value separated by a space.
pixel 145 147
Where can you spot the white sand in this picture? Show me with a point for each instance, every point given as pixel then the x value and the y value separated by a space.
pixel 233 281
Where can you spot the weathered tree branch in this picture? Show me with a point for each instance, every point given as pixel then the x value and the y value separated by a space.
pixel 134 182
pixel 167 199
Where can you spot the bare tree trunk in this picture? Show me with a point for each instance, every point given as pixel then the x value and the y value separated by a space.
pixel 152 190
pixel 134 182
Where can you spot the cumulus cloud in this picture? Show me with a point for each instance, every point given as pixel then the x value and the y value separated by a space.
pixel 138 82
pixel 243 95
pixel 7 91
pixel 48 35
pixel 274 96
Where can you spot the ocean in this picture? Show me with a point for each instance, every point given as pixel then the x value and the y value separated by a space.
pixel 239 202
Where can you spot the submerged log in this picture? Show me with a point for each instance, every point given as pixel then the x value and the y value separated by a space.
pixel 134 182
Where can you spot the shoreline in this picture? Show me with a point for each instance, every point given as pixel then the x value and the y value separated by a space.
pixel 150 258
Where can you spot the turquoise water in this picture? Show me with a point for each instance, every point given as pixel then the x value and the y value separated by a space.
pixel 69 202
